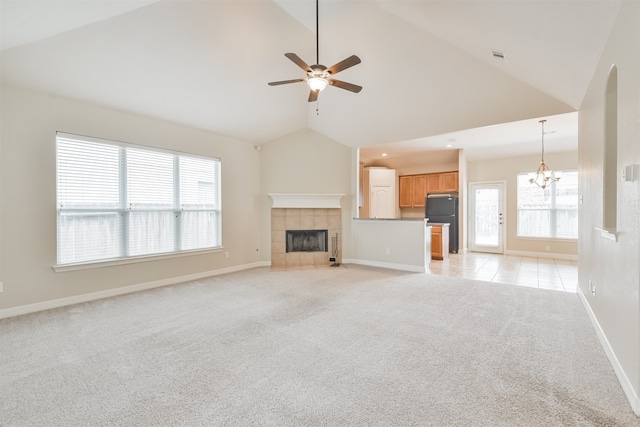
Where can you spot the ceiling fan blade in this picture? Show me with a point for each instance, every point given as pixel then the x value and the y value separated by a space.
pixel 284 82
pixel 344 85
pixel 344 64
pixel 298 61
pixel 313 95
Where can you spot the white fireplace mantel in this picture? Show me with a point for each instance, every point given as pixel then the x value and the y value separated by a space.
pixel 313 201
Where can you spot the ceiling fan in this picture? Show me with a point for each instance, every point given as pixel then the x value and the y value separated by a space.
pixel 319 76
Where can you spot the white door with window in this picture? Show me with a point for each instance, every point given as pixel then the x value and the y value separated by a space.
pixel 487 217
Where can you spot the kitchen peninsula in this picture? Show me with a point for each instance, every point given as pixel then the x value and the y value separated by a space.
pixel 399 244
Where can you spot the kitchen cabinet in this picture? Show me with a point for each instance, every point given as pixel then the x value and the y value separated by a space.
pixel 413 190
pixel 405 184
pixel 449 181
pixel 434 183
pixel 379 191
pixel 439 241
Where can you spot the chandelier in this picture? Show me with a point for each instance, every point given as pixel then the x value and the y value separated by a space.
pixel 544 176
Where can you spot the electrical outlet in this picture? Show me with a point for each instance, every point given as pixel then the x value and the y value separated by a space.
pixel 547 248
pixel 388 251
pixel 332 259
pixel 592 288
pixel 226 254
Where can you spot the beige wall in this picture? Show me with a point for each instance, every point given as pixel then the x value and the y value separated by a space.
pixel 306 162
pixel 28 208
pixel 507 170
pixel 614 267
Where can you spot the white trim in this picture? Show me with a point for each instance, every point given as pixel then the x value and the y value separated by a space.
pixel 59 268
pixel 76 299
pixel 501 185
pixel 388 265
pixel 627 387
pixel 86 138
pixel 547 239
pixel 606 234
pixel 313 201
pixel 568 257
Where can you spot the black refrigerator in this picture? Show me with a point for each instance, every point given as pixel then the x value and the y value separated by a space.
pixel 443 208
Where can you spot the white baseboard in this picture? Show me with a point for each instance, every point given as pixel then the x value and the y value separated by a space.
pixel 76 299
pixel 627 387
pixel 388 265
pixel 542 255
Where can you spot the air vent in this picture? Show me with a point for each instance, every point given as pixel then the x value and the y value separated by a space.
pixel 499 55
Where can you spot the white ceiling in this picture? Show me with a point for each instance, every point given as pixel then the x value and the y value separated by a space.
pixel 427 69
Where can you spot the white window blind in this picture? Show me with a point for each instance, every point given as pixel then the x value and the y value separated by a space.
pixel 117 200
pixel 548 213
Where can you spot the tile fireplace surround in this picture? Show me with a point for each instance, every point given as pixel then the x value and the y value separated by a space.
pixel 304 212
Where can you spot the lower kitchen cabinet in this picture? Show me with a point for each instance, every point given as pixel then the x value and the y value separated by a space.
pixel 439 241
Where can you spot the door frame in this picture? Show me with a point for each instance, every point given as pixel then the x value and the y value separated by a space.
pixel 502 186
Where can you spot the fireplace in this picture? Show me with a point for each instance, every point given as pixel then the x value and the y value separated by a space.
pixel 306 240
pixel 305 230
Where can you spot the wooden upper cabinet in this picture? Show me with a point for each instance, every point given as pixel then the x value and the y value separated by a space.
pixel 414 188
pixel 419 190
pixel 434 183
pixel 406 191
pixel 449 181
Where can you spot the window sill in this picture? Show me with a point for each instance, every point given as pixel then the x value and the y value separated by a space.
pixel 547 239
pixel 606 234
pixel 59 268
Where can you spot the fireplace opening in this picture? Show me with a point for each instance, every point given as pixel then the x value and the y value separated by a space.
pixel 307 240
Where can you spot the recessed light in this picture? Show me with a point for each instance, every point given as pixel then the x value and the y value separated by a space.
pixel 449 145
pixel 384 154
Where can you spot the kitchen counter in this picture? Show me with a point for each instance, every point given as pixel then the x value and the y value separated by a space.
pixel 389 219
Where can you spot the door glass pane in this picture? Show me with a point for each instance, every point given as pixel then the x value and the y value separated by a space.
pixel 487 220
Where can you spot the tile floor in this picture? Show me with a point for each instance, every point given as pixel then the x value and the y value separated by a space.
pixel 543 273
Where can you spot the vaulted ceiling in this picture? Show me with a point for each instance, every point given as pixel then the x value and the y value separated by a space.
pixel 427 66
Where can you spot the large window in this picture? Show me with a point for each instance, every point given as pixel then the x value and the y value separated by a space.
pixel 548 213
pixel 117 200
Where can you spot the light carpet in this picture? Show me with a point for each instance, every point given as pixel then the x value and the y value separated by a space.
pixel 349 346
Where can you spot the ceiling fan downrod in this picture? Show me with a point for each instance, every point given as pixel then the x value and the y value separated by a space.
pixel 317 35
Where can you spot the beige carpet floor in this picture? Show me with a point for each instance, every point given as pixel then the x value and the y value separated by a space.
pixel 349 346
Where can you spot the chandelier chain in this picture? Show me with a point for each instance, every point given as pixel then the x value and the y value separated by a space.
pixel 544 176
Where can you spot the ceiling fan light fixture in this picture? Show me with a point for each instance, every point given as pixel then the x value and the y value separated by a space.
pixel 317 83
